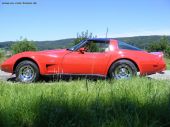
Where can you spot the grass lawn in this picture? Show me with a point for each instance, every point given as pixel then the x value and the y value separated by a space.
pixel 139 102
pixel 167 63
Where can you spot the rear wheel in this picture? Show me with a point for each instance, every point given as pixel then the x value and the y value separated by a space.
pixel 122 69
pixel 27 71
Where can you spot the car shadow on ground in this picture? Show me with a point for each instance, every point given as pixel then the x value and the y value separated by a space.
pixel 49 79
pixel 12 79
pixel 62 78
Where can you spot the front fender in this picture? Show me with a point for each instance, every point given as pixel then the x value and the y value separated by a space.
pixel 42 60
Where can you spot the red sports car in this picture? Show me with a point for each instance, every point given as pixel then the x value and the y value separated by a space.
pixel 99 57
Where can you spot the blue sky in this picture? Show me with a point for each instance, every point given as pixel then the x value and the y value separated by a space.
pixel 59 19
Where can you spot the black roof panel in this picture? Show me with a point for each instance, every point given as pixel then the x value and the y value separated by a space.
pixel 99 39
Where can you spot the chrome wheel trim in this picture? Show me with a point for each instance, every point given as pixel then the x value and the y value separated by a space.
pixel 123 71
pixel 26 73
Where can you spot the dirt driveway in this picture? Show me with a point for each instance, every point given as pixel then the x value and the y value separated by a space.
pixel 165 76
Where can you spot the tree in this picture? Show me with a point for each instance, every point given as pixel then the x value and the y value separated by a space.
pixel 154 47
pixel 168 51
pixel 164 44
pixel 2 53
pixel 83 36
pixel 22 46
pixel 161 45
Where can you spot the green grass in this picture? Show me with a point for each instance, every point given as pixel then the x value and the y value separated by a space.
pixel 167 63
pixel 139 102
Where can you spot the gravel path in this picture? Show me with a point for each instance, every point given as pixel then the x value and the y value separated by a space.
pixel 166 76
pixel 5 76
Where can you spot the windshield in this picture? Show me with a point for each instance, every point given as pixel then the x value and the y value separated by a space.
pixel 77 46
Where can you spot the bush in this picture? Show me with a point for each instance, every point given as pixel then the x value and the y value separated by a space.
pixel 2 53
pixel 162 45
pixel 22 46
pixel 83 36
pixel 168 51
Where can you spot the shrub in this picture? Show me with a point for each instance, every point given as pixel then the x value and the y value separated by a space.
pixel 84 36
pixel 22 46
pixel 168 51
pixel 2 53
pixel 161 45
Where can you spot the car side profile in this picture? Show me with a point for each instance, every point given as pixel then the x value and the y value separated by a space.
pixel 93 57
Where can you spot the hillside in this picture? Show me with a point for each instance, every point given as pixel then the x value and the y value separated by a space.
pixel 139 41
pixel 142 41
pixel 43 45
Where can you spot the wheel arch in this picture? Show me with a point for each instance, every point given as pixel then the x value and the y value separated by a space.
pixel 123 59
pixel 23 59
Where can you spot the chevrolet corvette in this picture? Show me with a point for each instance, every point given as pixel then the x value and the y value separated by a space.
pixel 92 57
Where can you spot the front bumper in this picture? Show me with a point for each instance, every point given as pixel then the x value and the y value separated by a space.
pixel 7 67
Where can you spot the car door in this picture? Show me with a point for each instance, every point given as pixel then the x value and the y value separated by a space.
pixel 85 63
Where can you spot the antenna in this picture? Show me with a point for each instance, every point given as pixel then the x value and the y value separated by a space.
pixel 107 32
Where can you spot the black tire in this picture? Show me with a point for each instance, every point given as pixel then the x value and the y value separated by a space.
pixel 122 69
pixel 30 72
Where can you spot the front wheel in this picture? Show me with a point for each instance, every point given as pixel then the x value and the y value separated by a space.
pixel 27 71
pixel 122 69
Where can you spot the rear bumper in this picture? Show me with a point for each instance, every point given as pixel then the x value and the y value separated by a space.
pixel 155 68
pixel 161 66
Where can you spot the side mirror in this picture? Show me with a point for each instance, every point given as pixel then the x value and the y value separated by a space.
pixel 82 50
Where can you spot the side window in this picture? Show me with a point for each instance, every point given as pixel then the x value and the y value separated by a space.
pixel 123 45
pixel 97 46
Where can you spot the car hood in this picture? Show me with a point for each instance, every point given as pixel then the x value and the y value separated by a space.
pixel 52 51
pixel 57 52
